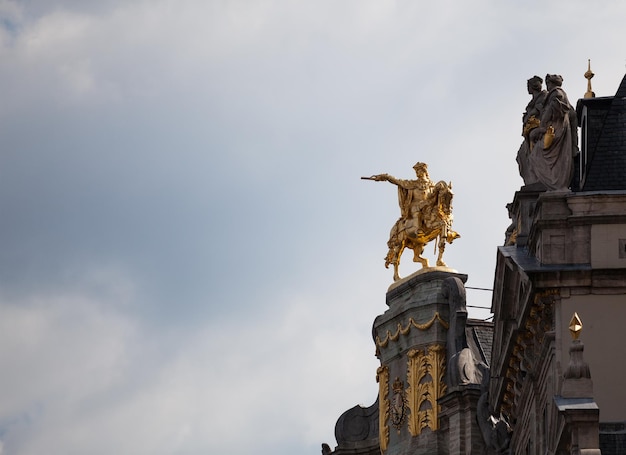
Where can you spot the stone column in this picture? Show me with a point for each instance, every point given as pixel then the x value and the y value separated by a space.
pixel 521 211
pixel 411 343
pixel 576 403
pixel 458 416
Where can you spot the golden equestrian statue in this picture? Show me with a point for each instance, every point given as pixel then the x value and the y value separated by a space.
pixel 425 215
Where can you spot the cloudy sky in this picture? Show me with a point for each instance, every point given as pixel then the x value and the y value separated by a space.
pixel 189 261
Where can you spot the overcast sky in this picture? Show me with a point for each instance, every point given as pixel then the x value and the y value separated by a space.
pixel 189 262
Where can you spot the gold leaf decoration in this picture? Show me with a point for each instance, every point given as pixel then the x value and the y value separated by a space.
pixel 411 324
pixel 382 377
pixel 425 375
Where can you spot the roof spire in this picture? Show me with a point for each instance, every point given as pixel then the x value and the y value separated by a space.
pixel 588 75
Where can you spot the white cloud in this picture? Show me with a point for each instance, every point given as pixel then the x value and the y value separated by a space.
pixel 80 373
pixel 57 352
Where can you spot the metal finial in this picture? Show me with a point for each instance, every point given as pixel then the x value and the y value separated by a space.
pixel 588 75
pixel 575 326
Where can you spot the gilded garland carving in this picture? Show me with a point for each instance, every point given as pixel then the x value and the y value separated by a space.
pixel 425 375
pixel 405 330
pixel 382 377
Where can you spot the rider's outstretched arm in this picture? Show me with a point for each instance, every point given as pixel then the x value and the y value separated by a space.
pixel 407 184
pixel 392 179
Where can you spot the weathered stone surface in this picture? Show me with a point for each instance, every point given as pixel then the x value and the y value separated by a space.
pixel 356 431
pixel 418 302
pixel 555 140
pixel 424 333
pixel 463 366
pixel 565 252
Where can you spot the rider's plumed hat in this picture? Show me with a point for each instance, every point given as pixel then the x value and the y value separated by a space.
pixel 420 167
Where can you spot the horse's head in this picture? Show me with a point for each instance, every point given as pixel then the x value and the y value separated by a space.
pixel 444 197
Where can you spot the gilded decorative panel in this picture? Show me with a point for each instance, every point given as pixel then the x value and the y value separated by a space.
pixel 425 375
pixel 382 377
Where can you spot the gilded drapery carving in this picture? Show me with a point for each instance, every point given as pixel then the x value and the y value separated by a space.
pixel 405 330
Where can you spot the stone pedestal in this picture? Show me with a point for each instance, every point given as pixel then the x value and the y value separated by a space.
pixel 582 428
pixel 411 343
pixel 581 434
pixel 521 213
pixel 459 422
pixel 432 361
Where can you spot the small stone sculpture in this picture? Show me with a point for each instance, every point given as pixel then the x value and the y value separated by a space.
pixel 463 367
pixel 555 141
pixel 425 215
pixel 530 121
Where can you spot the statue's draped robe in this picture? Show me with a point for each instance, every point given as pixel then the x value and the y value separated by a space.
pixel 425 213
pixel 405 197
pixel 409 201
pixel 554 166
pixel 533 109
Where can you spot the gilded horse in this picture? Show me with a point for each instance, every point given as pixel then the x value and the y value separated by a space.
pixel 436 223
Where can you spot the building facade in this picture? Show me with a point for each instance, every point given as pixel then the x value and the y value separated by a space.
pixel 546 376
pixel 566 256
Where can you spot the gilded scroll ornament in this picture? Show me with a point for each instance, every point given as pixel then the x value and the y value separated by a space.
pixel 425 375
pixel 425 215
pixel 382 377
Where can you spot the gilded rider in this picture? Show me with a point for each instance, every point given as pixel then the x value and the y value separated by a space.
pixel 425 215
pixel 412 197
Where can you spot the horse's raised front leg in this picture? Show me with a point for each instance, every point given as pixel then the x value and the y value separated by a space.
pixel 396 262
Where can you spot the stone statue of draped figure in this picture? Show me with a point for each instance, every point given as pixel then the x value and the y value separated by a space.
pixel 555 141
pixel 530 121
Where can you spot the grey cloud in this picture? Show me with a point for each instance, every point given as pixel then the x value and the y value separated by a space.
pixel 180 195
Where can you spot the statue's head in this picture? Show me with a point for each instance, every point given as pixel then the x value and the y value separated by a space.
pixel 421 168
pixel 534 84
pixel 553 80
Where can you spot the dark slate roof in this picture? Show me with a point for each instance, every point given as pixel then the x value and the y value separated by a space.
pixel 607 168
pixel 613 438
pixel 480 334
